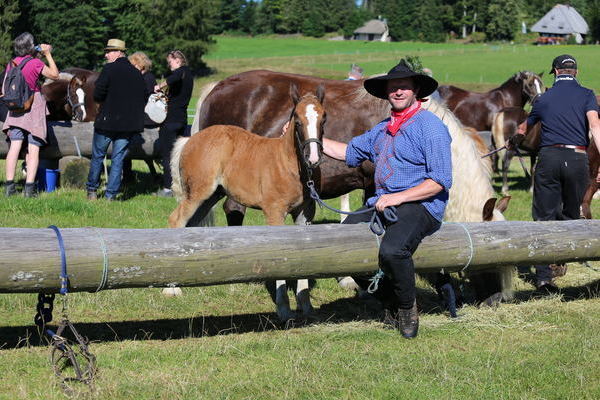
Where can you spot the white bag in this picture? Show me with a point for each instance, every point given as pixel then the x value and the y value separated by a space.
pixel 156 108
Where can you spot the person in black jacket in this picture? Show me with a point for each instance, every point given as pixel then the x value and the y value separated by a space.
pixel 120 90
pixel 181 84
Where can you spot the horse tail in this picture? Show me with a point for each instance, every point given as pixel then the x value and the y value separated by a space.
pixel 206 89
pixel 498 130
pixel 177 185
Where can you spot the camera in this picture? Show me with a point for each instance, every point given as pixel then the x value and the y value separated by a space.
pixel 38 48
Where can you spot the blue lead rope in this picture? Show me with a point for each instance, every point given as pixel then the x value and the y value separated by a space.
pixel 64 278
pixel 375 224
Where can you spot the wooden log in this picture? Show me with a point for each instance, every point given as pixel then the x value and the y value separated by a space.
pixel 30 259
pixel 65 137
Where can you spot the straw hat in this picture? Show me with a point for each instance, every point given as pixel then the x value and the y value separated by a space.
pixel 115 44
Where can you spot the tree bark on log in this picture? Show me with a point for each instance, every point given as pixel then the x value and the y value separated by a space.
pixel 65 137
pixel 211 256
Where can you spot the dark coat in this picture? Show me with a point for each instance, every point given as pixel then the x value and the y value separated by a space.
pixel 121 92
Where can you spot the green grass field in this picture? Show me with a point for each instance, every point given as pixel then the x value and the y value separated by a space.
pixel 224 342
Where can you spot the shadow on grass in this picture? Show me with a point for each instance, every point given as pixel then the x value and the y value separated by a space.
pixel 338 311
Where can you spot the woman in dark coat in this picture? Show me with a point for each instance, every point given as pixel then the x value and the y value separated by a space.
pixel 181 84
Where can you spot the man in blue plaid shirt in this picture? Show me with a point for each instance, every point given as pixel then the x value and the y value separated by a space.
pixel 413 174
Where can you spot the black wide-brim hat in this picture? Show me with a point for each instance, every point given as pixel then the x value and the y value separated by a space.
pixel 378 86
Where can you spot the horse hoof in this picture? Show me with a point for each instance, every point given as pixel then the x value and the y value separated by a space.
pixel 172 292
pixel 348 283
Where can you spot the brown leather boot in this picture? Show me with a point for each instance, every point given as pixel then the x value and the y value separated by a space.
pixel 409 321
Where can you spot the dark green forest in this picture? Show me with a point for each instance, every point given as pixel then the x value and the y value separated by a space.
pixel 78 30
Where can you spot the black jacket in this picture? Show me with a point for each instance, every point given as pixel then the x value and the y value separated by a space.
pixel 121 91
pixel 181 84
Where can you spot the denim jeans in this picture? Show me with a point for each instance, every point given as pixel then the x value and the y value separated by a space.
pixel 100 144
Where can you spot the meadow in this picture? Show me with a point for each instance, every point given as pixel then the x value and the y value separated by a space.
pixel 224 342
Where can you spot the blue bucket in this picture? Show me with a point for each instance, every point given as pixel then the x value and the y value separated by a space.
pixel 48 179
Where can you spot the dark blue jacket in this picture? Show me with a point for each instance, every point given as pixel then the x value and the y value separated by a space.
pixel 121 91
pixel 562 111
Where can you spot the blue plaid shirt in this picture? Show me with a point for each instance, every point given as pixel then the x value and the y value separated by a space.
pixel 420 150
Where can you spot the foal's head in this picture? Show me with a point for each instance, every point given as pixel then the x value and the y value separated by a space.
pixel 76 98
pixel 309 117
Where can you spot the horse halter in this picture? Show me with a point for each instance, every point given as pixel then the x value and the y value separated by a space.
pixel 530 89
pixel 73 104
pixel 304 143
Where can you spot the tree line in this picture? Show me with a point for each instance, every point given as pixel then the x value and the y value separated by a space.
pixel 79 30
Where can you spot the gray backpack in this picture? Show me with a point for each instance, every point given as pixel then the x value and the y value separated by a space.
pixel 16 94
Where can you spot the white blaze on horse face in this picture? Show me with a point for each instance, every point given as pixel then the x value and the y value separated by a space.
pixel 81 100
pixel 538 87
pixel 312 117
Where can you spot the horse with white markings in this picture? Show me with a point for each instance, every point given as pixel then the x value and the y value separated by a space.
pixel 263 173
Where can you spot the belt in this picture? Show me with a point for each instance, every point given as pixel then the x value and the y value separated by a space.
pixel 578 149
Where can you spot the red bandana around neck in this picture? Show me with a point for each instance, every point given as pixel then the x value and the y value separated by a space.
pixel 398 118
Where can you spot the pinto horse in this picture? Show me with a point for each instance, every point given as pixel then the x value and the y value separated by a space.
pixel 258 172
pixel 505 126
pixel 247 98
pixel 477 110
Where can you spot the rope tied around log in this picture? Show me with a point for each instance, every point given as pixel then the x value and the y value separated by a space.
pixel 65 353
pixel 105 263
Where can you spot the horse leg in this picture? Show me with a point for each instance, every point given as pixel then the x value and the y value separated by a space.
pixel 344 205
pixel 533 157
pixel 201 201
pixel 279 291
pixel 303 297
pixel 234 212
pixel 505 165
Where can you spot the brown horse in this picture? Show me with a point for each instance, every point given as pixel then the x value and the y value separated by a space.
pixel 55 93
pixel 504 127
pixel 477 110
pixel 594 166
pixel 67 95
pixel 263 105
pixel 80 95
pixel 258 172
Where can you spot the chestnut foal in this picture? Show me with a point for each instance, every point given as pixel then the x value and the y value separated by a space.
pixel 258 172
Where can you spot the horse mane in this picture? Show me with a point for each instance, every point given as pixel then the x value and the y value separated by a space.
pixel 471 179
pixel 206 89
pixel 62 76
pixel 362 98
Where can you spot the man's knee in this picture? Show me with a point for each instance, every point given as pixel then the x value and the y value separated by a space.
pixel 393 251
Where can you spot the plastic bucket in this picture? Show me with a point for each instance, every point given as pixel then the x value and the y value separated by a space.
pixel 48 179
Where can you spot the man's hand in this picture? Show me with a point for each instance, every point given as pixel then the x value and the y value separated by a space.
pixel 514 141
pixel 389 200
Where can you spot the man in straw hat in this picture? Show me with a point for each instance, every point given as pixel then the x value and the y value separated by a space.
pixel 413 173
pixel 120 90
pixel 567 111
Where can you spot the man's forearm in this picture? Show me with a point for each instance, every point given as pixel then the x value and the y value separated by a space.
pixel 334 149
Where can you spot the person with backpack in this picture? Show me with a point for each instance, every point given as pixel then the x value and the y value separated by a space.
pixel 26 119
